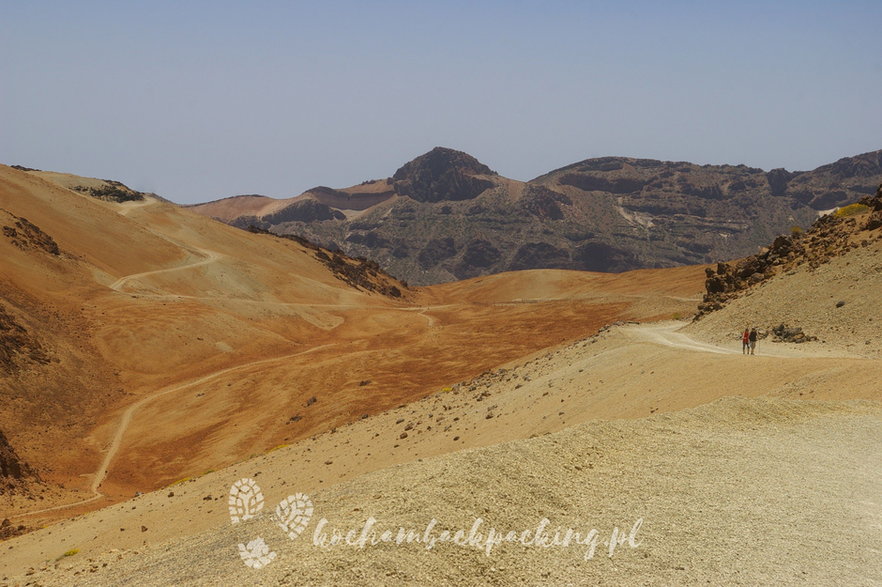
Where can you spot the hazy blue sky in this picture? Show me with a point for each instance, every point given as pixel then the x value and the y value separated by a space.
pixel 199 100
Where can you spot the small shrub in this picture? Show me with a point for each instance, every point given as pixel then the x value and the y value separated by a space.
pixel 851 210
pixel 796 231
pixel 71 552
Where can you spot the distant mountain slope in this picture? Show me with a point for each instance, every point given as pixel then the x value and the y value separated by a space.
pixel 103 299
pixel 141 343
pixel 446 216
pixel 820 286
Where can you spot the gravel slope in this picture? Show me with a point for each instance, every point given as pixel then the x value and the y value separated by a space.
pixel 740 491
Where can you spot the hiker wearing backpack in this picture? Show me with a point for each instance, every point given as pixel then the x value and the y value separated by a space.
pixel 752 339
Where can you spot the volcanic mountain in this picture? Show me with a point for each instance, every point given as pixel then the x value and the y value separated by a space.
pixel 141 343
pixel 241 366
pixel 446 216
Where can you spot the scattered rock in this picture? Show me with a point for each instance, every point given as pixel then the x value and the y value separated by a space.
pixel 18 347
pixel 9 530
pixel 28 236
pixel 15 474
pixel 784 333
pixel 111 191
pixel 830 236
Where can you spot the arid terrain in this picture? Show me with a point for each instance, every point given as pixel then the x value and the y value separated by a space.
pixel 446 216
pixel 151 358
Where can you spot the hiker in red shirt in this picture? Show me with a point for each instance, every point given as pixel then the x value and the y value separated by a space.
pixel 745 341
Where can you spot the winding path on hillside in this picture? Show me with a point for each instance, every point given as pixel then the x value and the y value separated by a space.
pixel 125 420
pixel 665 334
pixel 209 257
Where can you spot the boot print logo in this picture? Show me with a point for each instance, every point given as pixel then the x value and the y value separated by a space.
pixel 292 515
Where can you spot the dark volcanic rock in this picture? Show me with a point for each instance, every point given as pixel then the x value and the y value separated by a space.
pixel 305 210
pixel 784 333
pixel 17 346
pixel 9 530
pixel 111 191
pixel 778 180
pixel 532 255
pixel 544 203
pixel 452 217
pixel 480 254
pixel 599 183
pixel 26 235
pixel 435 251
pixel 442 174
pixel 357 272
pixel 839 183
pixel 599 256
pixel 12 468
pixel 830 236
pixel 370 239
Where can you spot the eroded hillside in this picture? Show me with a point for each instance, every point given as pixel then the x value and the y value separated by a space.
pixel 446 216
pixel 156 344
pixel 820 284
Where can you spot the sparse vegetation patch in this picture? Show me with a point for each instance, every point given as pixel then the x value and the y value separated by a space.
pixel 851 210
pixel 112 191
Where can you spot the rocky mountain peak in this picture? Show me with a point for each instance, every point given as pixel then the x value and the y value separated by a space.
pixel 445 215
pixel 865 165
pixel 442 174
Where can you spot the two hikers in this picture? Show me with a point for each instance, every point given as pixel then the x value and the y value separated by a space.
pixel 748 341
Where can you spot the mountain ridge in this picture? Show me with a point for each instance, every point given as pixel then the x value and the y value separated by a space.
pixel 141 343
pixel 445 216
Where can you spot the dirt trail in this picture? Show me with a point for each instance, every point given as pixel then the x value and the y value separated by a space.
pixel 665 334
pixel 101 473
pixel 590 381
pixel 669 334
pixel 210 257
pixel 63 506
pixel 126 419
pixel 126 207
